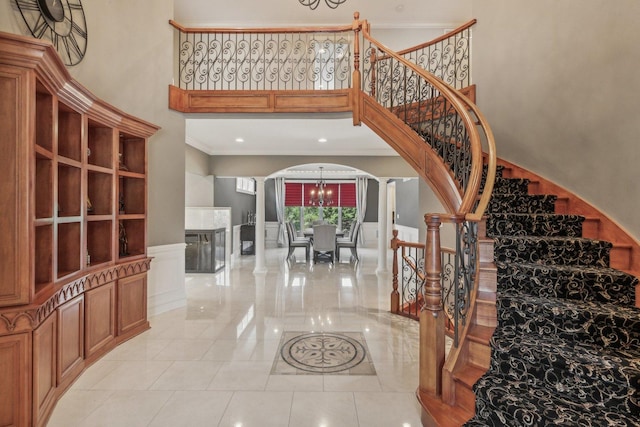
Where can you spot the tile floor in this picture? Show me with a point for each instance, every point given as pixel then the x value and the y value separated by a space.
pixel 210 363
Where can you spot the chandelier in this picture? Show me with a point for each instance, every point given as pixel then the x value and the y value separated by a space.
pixel 321 196
pixel 313 4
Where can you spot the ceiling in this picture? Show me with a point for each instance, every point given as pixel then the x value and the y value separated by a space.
pixel 220 134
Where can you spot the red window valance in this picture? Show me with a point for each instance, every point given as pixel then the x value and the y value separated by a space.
pixel 300 194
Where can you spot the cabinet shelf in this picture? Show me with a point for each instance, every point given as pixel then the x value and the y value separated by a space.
pixel 100 169
pixel 43 152
pixel 91 218
pixel 69 162
pixel 127 174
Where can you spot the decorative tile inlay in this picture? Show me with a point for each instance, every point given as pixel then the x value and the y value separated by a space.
pixel 323 353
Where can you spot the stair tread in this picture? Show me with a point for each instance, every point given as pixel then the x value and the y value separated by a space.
pixel 469 375
pixel 539 405
pixel 444 415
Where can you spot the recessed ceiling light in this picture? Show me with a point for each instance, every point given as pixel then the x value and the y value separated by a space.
pixel 399 8
pixel 323 140
pixel 239 140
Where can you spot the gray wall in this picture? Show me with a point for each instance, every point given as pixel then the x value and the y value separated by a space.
pixel 226 196
pixel 371 215
pixel 130 66
pixel 559 83
pixel 407 212
pixel 198 184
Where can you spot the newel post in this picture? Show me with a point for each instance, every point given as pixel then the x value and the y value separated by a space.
pixel 395 296
pixel 432 315
pixel 355 90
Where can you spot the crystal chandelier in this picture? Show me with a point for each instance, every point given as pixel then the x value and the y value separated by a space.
pixel 313 4
pixel 321 196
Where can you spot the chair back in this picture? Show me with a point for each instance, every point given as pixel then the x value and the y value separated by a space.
pixel 355 232
pixel 324 237
pixel 290 231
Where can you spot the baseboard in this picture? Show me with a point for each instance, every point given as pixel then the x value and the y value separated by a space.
pixel 165 280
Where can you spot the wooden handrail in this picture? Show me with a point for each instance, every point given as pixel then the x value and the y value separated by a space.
pixel 461 107
pixel 460 29
pixel 267 30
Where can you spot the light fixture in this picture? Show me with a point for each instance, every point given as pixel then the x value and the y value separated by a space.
pixel 321 196
pixel 313 4
pixel 322 140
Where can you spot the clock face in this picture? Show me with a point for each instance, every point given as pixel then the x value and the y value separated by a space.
pixel 60 21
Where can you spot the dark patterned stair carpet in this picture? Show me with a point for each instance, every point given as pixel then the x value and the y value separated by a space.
pixel 522 203
pixel 526 224
pixel 566 350
pixel 552 250
pixel 577 283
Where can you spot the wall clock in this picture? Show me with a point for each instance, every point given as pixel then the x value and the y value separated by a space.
pixel 60 21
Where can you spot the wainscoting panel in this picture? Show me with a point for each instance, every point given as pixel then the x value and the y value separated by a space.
pixel 165 280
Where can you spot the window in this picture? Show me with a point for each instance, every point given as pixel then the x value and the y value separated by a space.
pixel 299 211
pixel 246 185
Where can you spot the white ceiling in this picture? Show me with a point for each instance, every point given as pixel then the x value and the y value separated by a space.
pixel 299 134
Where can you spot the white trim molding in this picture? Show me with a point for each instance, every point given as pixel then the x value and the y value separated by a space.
pixel 165 280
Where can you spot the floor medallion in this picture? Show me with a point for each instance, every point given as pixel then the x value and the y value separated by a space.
pixel 323 353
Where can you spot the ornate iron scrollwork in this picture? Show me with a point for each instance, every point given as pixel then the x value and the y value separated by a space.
pixel 265 61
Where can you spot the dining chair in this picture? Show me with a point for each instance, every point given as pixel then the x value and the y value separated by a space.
pixel 297 242
pixel 324 241
pixel 351 243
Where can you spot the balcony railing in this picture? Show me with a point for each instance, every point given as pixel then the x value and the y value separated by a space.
pixel 264 59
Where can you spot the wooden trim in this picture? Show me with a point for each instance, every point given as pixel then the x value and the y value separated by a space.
pixel 413 149
pixel 41 57
pixel 266 30
pixel 260 101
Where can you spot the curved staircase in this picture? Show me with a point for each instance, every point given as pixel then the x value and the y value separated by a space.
pixel 566 350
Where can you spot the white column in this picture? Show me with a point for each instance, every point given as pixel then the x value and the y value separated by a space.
pixel 382 225
pixel 260 267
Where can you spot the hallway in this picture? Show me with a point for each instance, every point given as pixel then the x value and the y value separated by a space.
pixel 211 363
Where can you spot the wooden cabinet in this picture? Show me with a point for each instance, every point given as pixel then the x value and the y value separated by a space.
pixel 44 367
pixel 132 305
pixel 100 320
pixel 73 261
pixel 70 340
pixel 15 366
